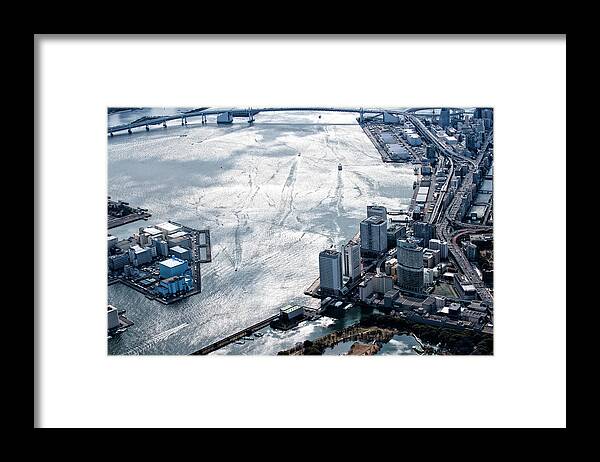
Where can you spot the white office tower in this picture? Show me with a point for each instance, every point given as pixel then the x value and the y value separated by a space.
pixel 373 235
pixel 436 244
pixel 330 271
pixel 377 211
pixel 410 265
pixel 428 276
pixel 351 259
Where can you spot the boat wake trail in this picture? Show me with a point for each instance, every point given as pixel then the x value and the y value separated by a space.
pixel 154 340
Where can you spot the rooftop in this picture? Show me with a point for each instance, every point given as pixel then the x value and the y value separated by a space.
pixel 178 234
pixel 172 262
pixel 168 227
pixel 374 219
pixel 179 249
pixel 152 231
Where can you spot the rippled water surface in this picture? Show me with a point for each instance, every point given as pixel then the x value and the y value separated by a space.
pixel 271 195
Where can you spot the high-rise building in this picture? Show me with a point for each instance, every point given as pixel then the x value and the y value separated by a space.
pixel 330 271
pixel 395 232
pixel 373 235
pixel 351 260
pixel 444 117
pixel 431 151
pixel 471 251
pixel 377 211
pixel 436 244
pixel 410 265
pixel 423 230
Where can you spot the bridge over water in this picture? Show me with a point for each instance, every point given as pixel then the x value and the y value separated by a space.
pixel 226 115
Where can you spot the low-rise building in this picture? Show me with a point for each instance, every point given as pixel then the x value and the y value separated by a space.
pixel 175 285
pixel 112 241
pixel 181 253
pixel 290 312
pixel 464 288
pixel 139 255
pixel 117 262
pixel 168 228
pixel 113 318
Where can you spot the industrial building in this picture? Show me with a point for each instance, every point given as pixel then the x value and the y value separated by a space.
pixel 410 265
pixel 175 285
pixel 172 267
pixel 136 262
pixel 181 253
pixel 179 238
pixel 373 235
pixel 397 151
pixel 330 271
pixel 162 248
pixel 140 255
pixel 117 262
pixel 168 228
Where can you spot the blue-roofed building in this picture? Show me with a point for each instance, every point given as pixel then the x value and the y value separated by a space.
pixel 175 285
pixel 172 267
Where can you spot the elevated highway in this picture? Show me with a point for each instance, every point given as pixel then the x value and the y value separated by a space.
pixel 449 219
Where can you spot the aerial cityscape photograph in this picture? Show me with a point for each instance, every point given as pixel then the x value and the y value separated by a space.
pixel 300 231
pixel 300 215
